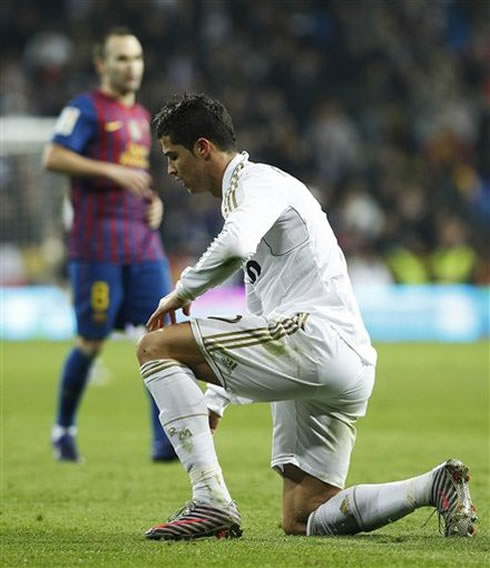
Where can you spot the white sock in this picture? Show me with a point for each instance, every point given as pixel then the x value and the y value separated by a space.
pixel 368 507
pixel 184 417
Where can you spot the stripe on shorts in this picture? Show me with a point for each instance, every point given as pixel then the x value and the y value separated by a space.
pixel 255 336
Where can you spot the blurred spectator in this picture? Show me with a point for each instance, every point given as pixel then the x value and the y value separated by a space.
pixel 453 260
pixel 383 106
pixel 368 268
pixel 408 261
pixel 336 142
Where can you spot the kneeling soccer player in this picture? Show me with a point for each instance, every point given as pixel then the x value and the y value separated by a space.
pixel 303 347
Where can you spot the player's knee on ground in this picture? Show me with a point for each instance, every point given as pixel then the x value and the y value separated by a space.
pixel 153 345
pixel 302 494
pixel 293 526
pixel 89 347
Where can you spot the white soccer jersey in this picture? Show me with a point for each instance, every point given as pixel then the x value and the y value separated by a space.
pixel 277 232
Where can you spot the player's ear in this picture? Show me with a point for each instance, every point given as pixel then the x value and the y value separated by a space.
pixel 99 64
pixel 202 148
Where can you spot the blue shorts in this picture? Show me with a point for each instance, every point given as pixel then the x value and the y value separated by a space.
pixel 108 296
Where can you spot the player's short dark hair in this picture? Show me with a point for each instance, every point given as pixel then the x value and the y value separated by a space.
pixel 186 118
pixel 99 50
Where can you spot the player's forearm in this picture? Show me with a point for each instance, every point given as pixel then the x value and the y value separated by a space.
pixel 61 160
pixel 196 281
pixel 237 242
pixel 223 258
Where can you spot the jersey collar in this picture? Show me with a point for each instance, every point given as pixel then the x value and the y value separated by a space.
pixel 230 169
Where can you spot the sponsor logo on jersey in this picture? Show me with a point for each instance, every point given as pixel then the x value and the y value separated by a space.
pixel 135 155
pixel 66 121
pixel 113 125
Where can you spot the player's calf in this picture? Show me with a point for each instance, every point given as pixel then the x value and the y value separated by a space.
pixel 364 508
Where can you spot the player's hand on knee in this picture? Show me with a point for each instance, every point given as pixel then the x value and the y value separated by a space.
pixel 213 421
pixel 154 212
pixel 167 306
pixel 137 182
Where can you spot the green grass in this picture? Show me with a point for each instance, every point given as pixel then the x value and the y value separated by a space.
pixel 430 403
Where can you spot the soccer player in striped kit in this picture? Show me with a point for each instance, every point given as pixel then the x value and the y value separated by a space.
pixel 302 347
pixel 117 265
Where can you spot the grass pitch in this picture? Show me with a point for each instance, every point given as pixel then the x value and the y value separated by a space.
pixel 430 403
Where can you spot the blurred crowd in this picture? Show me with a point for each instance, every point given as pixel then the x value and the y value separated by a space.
pixel 381 106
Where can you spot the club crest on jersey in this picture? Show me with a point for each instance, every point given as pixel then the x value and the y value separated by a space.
pixel 135 130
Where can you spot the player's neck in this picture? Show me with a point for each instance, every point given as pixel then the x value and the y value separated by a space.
pixel 222 160
pixel 126 99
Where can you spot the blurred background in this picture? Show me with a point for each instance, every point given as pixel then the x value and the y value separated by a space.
pixel 381 106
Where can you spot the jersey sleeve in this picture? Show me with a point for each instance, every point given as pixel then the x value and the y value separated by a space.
pixel 259 203
pixel 76 125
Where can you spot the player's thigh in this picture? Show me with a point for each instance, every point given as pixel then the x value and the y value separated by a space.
pixel 312 447
pixel 97 297
pixel 313 437
pixel 176 343
pixel 144 284
pixel 253 356
pixel 271 359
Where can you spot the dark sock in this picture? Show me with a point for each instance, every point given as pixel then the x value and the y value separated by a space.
pixel 72 384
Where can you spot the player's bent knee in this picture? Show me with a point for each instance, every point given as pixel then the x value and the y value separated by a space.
pixel 151 346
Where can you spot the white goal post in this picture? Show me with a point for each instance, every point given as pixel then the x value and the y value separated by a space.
pixel 23 134
pixel 31 200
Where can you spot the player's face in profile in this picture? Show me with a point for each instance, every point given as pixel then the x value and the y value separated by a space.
pixel 122 66
pixel 185 165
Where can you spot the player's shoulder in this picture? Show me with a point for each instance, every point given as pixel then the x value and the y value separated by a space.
pixel 270 175
pixel 263 169
pixel 82 104
pixel 79 110
pixel 85 100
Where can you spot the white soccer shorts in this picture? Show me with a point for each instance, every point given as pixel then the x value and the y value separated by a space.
pixel 317 384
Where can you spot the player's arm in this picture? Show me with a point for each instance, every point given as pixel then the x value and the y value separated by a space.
pixel 57 158
pixel 257 210
pixel 154 212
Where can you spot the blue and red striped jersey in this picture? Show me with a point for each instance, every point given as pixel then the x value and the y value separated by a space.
pixel 109 221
